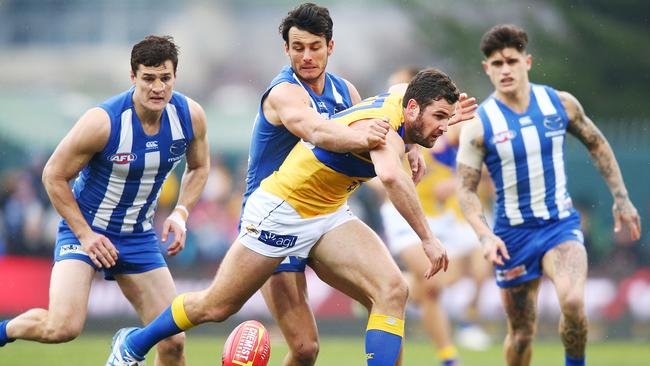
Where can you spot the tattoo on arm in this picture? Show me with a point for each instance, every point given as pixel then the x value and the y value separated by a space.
pixel 583 128
pixel 469 201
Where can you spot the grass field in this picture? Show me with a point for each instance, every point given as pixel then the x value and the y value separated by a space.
pixel 202 350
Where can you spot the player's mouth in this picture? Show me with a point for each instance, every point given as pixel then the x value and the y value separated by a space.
pixel 507 81
pixel 157 99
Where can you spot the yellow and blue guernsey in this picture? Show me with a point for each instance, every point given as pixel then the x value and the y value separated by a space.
pixel 317 182
pixel 440 162
pixel 270 144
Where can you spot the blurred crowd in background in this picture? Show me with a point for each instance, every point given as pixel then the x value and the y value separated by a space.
pixel 61 57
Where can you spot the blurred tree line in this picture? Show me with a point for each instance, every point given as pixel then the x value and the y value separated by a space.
pixel 599 50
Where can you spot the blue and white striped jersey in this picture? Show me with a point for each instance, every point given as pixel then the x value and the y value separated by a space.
pixel 118 190
pixel 525 157
pixel 271 144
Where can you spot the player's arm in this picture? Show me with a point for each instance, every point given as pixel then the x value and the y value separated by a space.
pixel 355 97
pixel 401 191
pixel 582 127
pixel 289 104
pixel 469 160
pixel 196 172
pixel 88 136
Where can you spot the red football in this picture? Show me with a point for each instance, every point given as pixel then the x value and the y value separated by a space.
pixel 247 345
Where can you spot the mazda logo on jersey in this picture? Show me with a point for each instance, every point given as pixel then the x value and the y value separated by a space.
pixel 503 136
pixel 122 158
pixel 178 147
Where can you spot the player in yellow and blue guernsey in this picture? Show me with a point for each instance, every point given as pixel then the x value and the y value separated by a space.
pixel 121 153
pixel 519 134
pixel 301 210
pixel 295 106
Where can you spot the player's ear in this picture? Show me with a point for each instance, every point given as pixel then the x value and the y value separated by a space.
pixel 484 63
pixel 330 47
pixel 286 48
pixel 132 76
pixel 412 108
pixel 529 61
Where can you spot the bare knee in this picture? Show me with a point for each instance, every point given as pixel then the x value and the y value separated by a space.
pixel 61 333
pixel 432 290
pixel 304 353
pixel 572 306
pixel 172 347
pixel 393 293
pixel 207 309
pixel 521 338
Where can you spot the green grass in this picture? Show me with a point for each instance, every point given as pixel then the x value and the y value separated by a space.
pixel 202 350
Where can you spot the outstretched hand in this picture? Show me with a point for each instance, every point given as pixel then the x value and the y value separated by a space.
pixel 465 108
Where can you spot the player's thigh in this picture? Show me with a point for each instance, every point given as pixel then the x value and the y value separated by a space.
pixel 566 266
pixel 357 262
pixel 520 304
pixel 149 292
pixel 286 296
pixel 478 267
pixel 70 284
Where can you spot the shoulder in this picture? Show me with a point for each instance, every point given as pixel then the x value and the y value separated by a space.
pixel 285 92
pixel 198 116
pixel 92 131
pixel 570 103
pixel 354 93
pixel 472 131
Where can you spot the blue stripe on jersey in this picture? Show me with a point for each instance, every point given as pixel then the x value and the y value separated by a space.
pixel 345 163
pixel 536 139
pixel 103 201
pixel 271 144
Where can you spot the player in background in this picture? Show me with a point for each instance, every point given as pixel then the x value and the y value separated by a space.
pixel 436 193
pixel 120 153
pixel 285 216
pixel 519 134
pixel 294 107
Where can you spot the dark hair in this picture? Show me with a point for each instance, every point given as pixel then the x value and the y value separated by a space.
pixel 309 17
pixel 154 51
pixel 503 36
pixel 428 85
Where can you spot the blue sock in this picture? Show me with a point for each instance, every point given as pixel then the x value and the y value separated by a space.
pixel 4 339
pixel 383 340
pixel 171 321
pixel 568 361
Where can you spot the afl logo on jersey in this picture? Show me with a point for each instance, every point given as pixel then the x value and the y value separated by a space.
pixel 553 122
pixel 178 147
pixel 503 136
pixel 122 158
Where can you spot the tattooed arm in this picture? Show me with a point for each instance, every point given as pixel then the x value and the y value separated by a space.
pixel 471 152
pixel 582 127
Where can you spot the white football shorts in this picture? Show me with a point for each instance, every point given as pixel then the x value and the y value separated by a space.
pixel 271 227
pixel 456 235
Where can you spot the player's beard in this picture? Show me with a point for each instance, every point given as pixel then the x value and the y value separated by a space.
pixel 414 132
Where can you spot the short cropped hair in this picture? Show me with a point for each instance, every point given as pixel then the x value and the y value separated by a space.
pixel 308 17
pixel 429 85
pixel 503 36
pixel 154 51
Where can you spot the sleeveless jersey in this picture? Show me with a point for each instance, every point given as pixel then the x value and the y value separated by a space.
pixel 525 157
pixel 315 181
pixel 118 190
pixel 271 144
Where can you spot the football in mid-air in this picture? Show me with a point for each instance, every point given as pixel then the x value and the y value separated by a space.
pixel 247 345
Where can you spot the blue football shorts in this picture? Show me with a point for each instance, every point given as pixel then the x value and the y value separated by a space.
pixel 138 252
pixel 527 246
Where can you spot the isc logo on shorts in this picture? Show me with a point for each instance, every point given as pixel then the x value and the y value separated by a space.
pixel 512 273
pixel 280 241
